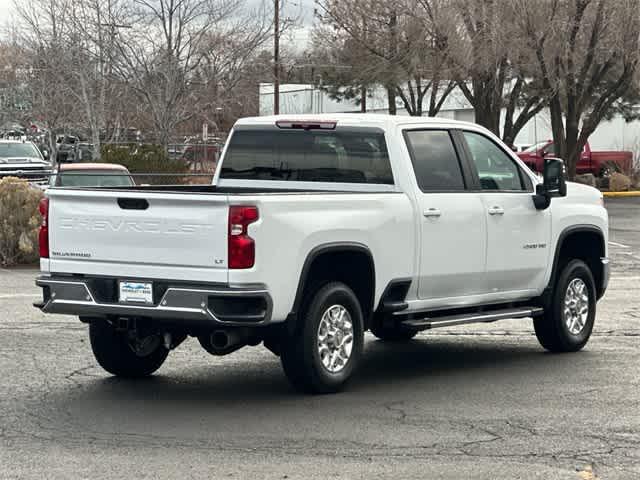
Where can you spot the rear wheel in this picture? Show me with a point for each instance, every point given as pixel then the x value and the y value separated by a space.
pixel 567 325
pixel 123 353
pixel 326 348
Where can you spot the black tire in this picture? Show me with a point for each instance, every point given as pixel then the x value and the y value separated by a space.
pixel 551 329
pixel 394 333
pixel 113 353
pixel 300 357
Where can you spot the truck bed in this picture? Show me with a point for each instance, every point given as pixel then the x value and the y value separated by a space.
pixel 181 232
pixel 294 188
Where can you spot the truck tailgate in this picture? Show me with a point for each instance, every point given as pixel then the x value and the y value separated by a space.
pixel 133 234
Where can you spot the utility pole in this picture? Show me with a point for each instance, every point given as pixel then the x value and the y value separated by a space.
pixel 363 87
pixel 276 57
pixel 363 99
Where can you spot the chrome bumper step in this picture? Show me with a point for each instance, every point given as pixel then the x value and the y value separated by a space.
pixel 74 297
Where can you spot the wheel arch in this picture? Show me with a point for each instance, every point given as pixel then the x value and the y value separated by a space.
pixel 360 256
pixel 588 243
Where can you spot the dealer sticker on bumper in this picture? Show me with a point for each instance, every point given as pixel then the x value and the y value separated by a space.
pixel 136 292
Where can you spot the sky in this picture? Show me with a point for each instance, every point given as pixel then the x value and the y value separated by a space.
pixel 303 8
pixel 6 6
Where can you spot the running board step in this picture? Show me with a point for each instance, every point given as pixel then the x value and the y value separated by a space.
pixel 475 317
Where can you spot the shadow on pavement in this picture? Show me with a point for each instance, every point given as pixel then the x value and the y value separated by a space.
pixel 244 400
pixel 424 363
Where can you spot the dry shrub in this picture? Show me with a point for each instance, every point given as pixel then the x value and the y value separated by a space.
pixel 146 159
pixel 19 221
pixel 199 179
pixel 635 179
pixel 586 179
pixel 619 182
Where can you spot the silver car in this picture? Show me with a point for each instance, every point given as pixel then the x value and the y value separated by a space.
pixel 23 160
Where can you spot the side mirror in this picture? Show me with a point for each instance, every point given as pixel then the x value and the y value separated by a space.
pixel 45 154
pixel 555 178
pixel 554 183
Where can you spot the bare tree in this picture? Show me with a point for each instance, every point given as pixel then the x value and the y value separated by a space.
pixel 42 34
pixel 481 58
pixel 51 102
pixel 227 53
pixel 587 54
pixel 492 69
pixel 101 66
pixel 92 46
pixel 13 82
pixel 163 51
pixel 524 99
pixel 72 45
pixel 405 49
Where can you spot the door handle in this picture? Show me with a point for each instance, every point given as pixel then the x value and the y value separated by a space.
pixel 432 213
pixel 133 203
pixel 496 211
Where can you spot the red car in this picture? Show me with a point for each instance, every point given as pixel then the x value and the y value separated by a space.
pixel 596 163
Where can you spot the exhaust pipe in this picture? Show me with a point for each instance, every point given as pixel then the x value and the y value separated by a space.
pixel 225 341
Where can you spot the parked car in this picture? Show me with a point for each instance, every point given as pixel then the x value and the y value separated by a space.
pixel 23 160
pixel 318 228
pixel 200 157
pixel 71 149
pixel 91 175
pixel 175 152
pixel 13 135
pixel 598 163
pixel 64 147
pixel 520 147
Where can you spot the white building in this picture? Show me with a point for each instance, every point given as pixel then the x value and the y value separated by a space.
pixel 302 98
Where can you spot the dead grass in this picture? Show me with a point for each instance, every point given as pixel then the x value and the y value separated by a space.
pixel 19 221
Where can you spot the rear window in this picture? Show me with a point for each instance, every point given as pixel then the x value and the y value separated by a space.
pixel 347 156
pixel 435 160
pixel 94 178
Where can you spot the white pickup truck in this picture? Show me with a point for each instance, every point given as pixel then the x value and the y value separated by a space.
pixel 318 228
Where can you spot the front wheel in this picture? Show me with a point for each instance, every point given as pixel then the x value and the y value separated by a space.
pixel 326 347
pixel 124 354
pixel 568 323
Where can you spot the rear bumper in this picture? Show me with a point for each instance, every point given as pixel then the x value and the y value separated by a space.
pixel 177 303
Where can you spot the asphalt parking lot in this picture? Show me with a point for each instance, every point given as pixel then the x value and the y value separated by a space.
pixel 472 402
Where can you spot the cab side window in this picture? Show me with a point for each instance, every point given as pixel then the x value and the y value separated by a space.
pixel 435 161
pixel 496 169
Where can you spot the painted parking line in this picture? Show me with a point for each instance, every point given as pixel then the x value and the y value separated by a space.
pixel 616 278
pixel 5 296
pixel 620 245
pixel 629 255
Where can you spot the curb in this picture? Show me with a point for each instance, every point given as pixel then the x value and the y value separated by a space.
pixel 621 194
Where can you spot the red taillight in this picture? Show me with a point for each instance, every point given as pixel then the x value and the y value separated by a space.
pixel 43 236
pixel 242 248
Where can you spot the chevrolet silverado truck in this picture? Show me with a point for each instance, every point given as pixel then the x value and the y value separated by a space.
pixel 22 159
pixel 317 229
pixel 597 163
